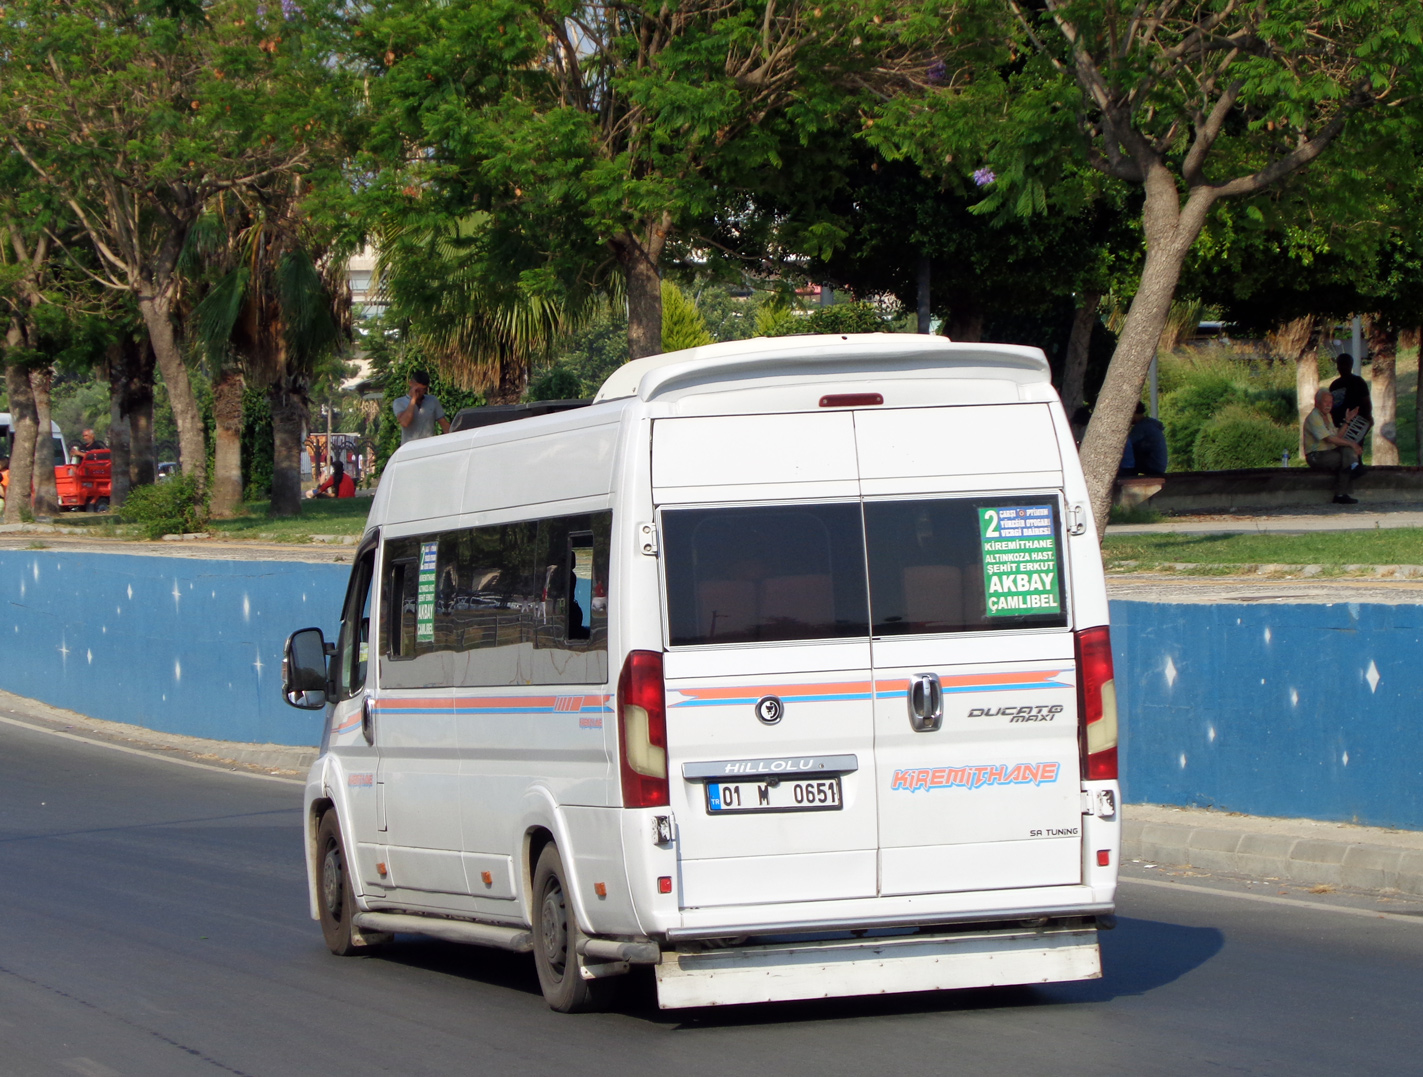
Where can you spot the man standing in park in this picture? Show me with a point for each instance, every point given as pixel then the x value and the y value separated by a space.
pixel 1327 449
pixel 419 412
pixel 1350 391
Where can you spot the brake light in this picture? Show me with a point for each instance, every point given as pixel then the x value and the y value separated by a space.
pixel 851 400
pixel 1096 704
pixel 642 730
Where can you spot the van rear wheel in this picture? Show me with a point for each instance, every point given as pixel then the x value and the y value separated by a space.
pixel 556 936
pixel 334 896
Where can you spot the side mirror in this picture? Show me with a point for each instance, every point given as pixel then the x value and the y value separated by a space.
pixel 304 683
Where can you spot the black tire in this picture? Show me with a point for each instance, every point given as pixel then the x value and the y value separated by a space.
pixel 556 935
pixel 333 889
pixel 101 505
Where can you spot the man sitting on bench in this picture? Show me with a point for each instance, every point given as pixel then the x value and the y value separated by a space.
pixel 1327 449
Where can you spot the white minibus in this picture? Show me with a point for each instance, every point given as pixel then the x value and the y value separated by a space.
pixel 782 668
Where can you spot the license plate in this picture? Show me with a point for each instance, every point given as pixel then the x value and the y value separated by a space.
pixel 818 794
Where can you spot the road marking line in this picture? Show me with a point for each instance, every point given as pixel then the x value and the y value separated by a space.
pixel 1275 900
pixel 150 755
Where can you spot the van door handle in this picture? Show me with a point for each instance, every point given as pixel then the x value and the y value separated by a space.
pixel 368 721
pixel 926 702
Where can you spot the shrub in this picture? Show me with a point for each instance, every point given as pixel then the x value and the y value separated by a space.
pixel 682 324
pixel 171 507
pixel 1239 436
pixel 841 318
pixel 1186 410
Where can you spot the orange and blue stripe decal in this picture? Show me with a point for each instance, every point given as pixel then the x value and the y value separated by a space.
pixel 851 691
pixel 591 703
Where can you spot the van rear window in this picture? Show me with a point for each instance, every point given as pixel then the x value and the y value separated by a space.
pixel 838 570
pixel 964 565
pixel 757 575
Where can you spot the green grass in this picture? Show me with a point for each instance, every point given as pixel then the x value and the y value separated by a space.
pixel 326 516
pixel 1395 546
pixel 318 517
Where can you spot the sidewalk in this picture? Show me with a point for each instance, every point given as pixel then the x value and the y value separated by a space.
pixel 269 759
pixel 1325 517
pixel 1298 851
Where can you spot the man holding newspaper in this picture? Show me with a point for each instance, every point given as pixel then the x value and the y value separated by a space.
pixel 1339 449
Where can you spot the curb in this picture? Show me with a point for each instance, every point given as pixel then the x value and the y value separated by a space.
pixel 1298 851
pixel 287 760
pixel 1332 572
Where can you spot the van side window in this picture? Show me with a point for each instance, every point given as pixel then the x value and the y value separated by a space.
pixel 508 604
pixel 964 564
pixel 352 646
pixel 763 574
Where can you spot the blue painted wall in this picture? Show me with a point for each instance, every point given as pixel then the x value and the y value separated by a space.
pixel 173 644
pixel 1307 711
pixel 1290 710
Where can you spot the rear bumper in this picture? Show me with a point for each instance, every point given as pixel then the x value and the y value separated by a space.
pixel 836 968
pixel 911 911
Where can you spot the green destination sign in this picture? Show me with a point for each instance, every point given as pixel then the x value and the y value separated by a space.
pixel 425 596
pixel 1020 571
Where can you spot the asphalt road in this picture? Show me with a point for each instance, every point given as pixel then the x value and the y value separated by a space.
pixel 153 921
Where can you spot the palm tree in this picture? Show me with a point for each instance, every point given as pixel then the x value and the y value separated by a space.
pixel 483 307
pixel 273 311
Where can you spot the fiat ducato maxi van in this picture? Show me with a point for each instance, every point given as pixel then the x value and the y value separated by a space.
pixel 783 668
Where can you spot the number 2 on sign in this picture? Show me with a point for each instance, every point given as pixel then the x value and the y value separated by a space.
pixel 991 515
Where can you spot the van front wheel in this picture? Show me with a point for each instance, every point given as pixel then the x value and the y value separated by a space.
pixel 333 888
pixel 556 935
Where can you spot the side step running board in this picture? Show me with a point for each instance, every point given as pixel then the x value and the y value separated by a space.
pixel 634 953
pixel 518 939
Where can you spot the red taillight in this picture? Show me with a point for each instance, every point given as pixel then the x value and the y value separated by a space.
pixel 642 730
pixel 1096 704
pixel 851 400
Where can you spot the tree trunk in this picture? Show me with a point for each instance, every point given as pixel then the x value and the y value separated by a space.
pixel 966 324
pixel 226 493
pixel 288 418
pixel 644 291
pixel 1306 359
pixel 513 380
pixel 1170 229
pixel 1079 347
pixel 119 452
pixel 1413 338
pixel 25 425
pixel 138 401
pixel 639 259
pixel 925 321
pixel 1383 344
pixel 46 496
pixel 192 438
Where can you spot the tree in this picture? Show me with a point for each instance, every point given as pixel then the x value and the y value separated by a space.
pixel 600 133
pixel 269 317
pixel 1193 102
pixel 136 115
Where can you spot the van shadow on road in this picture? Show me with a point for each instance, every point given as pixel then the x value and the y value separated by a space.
pixel 1138 957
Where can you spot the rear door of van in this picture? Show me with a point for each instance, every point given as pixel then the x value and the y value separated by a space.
pixel 770 709
pixel 975 720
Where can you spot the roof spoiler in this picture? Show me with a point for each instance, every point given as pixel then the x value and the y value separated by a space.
pixel 492 414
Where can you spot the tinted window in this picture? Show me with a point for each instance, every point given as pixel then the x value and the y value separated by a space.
pixel 964 564
pixel 520 603
pixel 741 575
